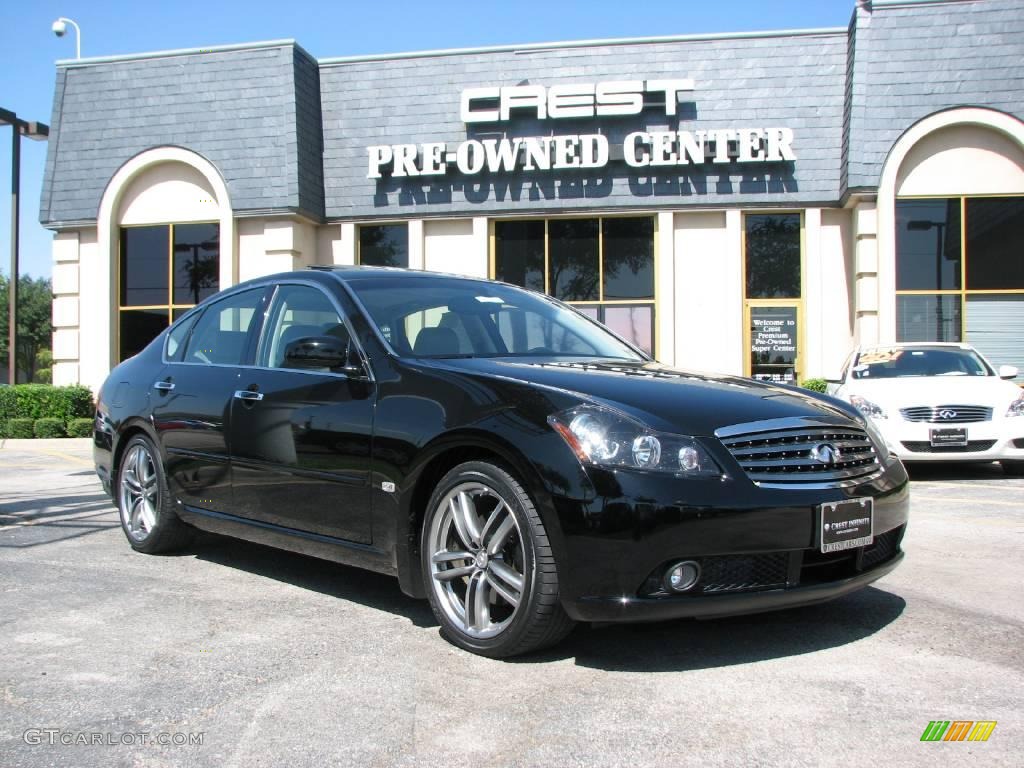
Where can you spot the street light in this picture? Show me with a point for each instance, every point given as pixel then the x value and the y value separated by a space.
pixel 37 131
pixel 923 225
pixel 60 28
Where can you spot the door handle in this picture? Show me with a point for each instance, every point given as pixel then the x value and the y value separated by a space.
pixel 164 386
pixel 248 394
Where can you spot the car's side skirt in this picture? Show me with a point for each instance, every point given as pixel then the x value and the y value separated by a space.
pixel 291 539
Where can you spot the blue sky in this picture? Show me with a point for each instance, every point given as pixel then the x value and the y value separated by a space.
pixel 28 49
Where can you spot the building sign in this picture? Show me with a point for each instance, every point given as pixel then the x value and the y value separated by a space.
pixel 618 98
pixel 773 343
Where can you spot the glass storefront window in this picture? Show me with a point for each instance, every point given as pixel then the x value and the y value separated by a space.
pixel 628 258
pixel 960 273
pixel 519 253
pixel 163 271
pixel 196 262
pixel 384 245
pixel 604 266
pixel 928 241
pixel 994 244
pixel 574 264
pixel 928 317
pixel 772 255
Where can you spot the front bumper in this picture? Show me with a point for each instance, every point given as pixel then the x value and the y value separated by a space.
pixel 996 440
pixel 758 547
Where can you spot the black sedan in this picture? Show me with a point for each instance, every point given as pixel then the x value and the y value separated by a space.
pixel 504 456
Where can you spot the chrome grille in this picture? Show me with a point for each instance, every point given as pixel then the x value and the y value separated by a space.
pixel 795 456
pixel 947 414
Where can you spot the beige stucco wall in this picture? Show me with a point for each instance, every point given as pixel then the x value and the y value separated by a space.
pixel 708 297
pixel 458 246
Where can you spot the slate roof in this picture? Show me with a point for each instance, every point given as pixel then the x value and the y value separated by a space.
pixel 289 133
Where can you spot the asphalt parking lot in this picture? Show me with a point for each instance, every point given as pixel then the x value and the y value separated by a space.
pixel 269 658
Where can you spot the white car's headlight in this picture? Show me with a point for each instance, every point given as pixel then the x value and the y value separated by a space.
pixel 877 438
pixel 1016 407
pixel 610 439
pixel 869 409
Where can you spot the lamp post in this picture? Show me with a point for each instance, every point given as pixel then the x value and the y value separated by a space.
pixel 60 28
pixel 923 225
pixel 38 131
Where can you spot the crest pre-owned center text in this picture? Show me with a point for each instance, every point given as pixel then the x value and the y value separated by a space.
pixel 639 149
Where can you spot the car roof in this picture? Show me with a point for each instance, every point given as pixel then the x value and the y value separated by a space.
pixel 359 271
pixel 917 345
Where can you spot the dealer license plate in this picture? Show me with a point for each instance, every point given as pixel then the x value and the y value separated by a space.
pixel 939 437
pixel 847 524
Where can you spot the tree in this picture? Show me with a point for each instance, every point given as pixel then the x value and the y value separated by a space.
pixel 35 327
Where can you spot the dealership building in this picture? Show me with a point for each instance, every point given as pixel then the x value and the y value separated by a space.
pixel 750 203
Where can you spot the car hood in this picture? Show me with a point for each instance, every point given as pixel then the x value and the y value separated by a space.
pixel 909 391
pixel 664 398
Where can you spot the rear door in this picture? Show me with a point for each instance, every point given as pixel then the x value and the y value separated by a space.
pixel 301 436
pixel 192 399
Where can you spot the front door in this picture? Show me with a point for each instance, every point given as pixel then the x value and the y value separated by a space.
pixel 192 399
pixel 773 341
pixel 301 436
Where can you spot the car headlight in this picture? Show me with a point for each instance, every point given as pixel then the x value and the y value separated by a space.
pixel 605 438
pixel 1016 407
pixel 869 409
pixel 878 439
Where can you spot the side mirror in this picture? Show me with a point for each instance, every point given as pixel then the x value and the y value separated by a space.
pixel 317 352
pixel 1008 372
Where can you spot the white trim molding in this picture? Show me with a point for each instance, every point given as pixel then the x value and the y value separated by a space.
pixel 990 119
pixel 95 366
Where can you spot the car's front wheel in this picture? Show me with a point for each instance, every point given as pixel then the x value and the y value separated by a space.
pixel 144 502
pixel 488 564
pixel 1013 468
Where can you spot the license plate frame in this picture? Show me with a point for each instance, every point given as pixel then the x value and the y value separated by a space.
pixel 846 524
pixel 954 437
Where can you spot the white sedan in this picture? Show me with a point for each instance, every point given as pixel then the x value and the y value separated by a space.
pixel 938 402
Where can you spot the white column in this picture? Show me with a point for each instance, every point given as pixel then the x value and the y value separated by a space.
pixel 665 289
pixel 867 329
pixel 416 244
pixel 813 319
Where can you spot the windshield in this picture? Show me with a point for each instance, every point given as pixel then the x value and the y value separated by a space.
pixel 896 362
pixel 443 318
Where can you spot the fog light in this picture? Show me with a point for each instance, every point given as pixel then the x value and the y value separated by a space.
pixel 682 576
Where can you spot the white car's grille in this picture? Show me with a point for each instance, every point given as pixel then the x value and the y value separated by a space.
pixel 947 414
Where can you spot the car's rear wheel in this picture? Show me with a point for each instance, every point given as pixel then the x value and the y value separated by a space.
pixel 487 561
pixel 1013 468
pixel 144 502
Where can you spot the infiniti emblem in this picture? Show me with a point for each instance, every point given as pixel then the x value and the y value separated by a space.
pixel 826 453
pixel 947 414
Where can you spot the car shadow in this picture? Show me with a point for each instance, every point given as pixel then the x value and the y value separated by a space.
pixel 956 471
pixel 655 647
pixel 355 585
pixel 685 644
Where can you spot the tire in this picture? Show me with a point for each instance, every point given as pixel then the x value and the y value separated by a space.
pixel 501 597
pixel 144 503
pixel 1013 468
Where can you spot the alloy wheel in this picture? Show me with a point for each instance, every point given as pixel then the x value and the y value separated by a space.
pixel 476 560
pixel 139 493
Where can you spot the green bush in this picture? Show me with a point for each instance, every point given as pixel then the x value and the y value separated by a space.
pixel 44 401
pixel 80 428
pixel 20 429
pixel 49 428
pixel 43 376
pixel 815 385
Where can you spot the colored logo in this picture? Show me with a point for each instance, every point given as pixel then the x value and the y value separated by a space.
pixel 958 730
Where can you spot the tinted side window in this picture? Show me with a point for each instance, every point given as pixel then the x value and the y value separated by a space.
pixel 220 334
pixel 299 311
pixel 176 337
